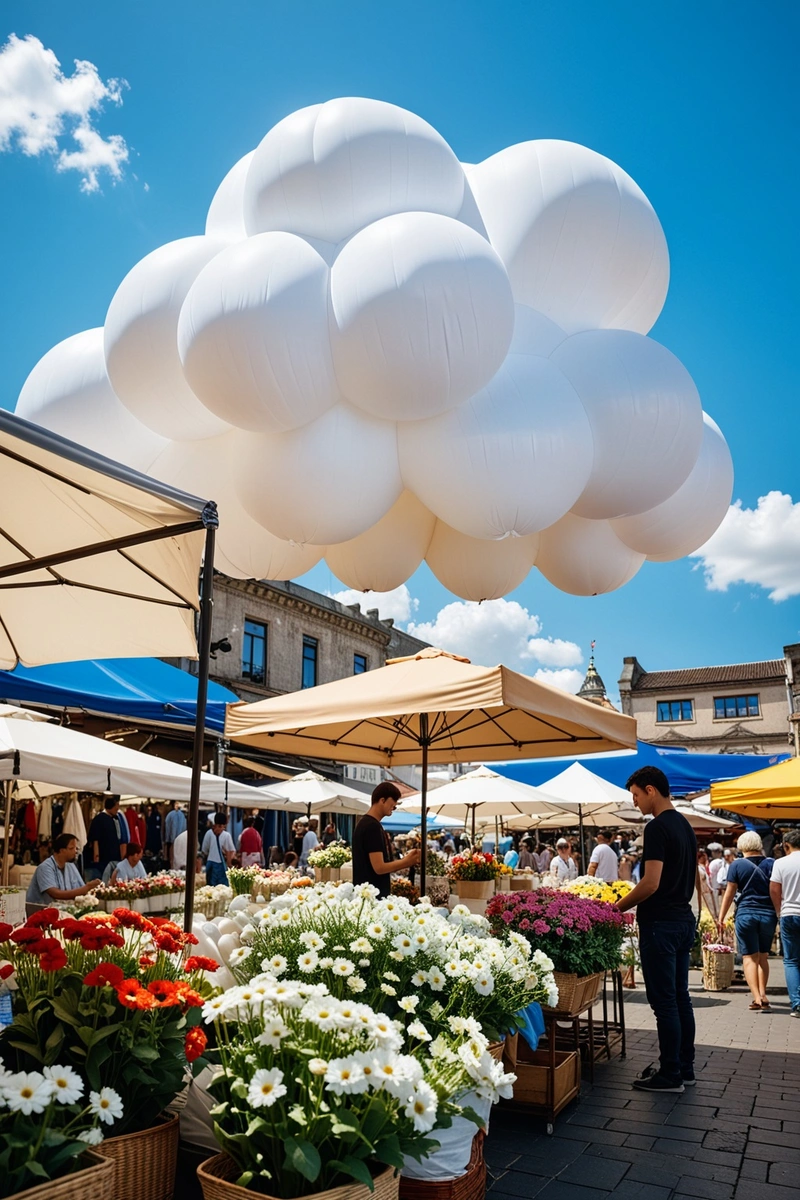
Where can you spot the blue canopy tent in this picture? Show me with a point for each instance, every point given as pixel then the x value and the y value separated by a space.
pixel 686 772
pixel 404 822
pixel 139 689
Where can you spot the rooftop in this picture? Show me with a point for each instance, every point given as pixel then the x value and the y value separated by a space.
pixel 730 674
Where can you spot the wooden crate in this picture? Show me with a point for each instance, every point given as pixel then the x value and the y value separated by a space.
pixel 532 1069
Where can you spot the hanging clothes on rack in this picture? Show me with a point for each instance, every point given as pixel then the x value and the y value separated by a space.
pixel 136 826
pixel 46 819
pixel 74 822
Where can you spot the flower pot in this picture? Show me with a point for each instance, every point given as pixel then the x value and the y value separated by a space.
pixel 141 904
pixel 503 883
pixel 575 992
pixel 144 1162
pixel 93 1181
pixel 522 883
pixel 327 874
pixel 469 1185
pixel 717 970
pixel 216 1175
pixel 475 889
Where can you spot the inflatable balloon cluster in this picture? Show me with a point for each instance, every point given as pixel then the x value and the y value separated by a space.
pixel 381 355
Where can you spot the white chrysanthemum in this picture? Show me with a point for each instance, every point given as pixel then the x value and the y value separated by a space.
pixel 106 1104
pixel 422 1107
pixel 484 983
pixel 285 993
pixel 361 945
pixel 386 1032
pixel 419 979
pixel 265 1088
pixel 277 965
pixel 417 1030
pixel 27 1092
pixel 92 1137
pixel 307 962
pixel 408 1003
pixel 67 1084
pixel 275 1030
pixel 404 945
pixel 345 1076
pixel 343 967
pixel 391 1073
pixel 376 930
pixel 239 955
pixel 388 989
pixel 216 1007
pixel 317 1066
pixel 452 968
pixel 325 964
pixel 435 979
pixel 322 1012
pixel 356 985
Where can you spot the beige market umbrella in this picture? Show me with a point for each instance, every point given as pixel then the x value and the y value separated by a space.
pixel 431 707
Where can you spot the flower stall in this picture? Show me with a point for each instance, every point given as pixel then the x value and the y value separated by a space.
pixel 474 874
pixel 113 999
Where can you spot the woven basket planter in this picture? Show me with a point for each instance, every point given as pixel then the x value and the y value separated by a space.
pixel 502 883
pixel 94 1181
pixel 216 1175
pixel 575 992
pixel 470 1186
pixel 144 1162
pixel 475 889
pixel 717 970
pixel 327 874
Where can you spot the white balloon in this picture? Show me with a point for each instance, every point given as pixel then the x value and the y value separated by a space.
pixel 585 558
pixel 225 218
pixel 253 334
pixel 328 170
pixel 421 315
pixel 324 483
pixel 384 557
pixel 69 392
pixel 691 515
pixel 479 570
pixel 646 418
pixel 534 333
pixel 507 462
pixel 141 345
pixel 244 549
pixel 469 213
pixel 579 238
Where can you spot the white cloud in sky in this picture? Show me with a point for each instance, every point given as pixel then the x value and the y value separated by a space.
pixel 399 603
pixel 567 680
pixel 758 545
pixel 502 631
pixel 44 111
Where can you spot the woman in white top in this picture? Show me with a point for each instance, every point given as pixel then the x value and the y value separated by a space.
pixel 563 865
pixel 131 866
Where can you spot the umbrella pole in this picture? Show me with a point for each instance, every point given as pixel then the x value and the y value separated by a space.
pixel 584 867
pixel 7 828
pixel 204 651
pixel 423 825
pixel 474 810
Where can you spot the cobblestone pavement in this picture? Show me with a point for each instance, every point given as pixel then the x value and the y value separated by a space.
pixel 735 1136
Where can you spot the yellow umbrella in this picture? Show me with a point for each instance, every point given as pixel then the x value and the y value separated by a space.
pixel 432 707
pixel 771 794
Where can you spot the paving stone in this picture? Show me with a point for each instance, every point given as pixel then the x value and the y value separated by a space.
pixel 514 1184
pixel 783 1173
pixel 748 1190
pixel 632 1190
pixel 753 1168
pixel 676 1132
pixel 642 1174
pixel 594 1172
pixel 550 1156
pixel 722 1140
pixel 708 1188
pixel 640 1142
pixel 771 1153
pixel 556 1190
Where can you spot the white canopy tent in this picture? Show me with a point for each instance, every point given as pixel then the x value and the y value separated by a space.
pixel 578 785
pixel 98 561
pixel 312 793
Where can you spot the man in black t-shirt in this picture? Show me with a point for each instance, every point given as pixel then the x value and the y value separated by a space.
pixel 666 928
pixel 372 854
pixel 107 840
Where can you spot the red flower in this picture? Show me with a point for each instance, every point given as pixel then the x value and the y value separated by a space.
pixel 7 970
pixel 131 920
pixel 26 934
pixel 190 939
pixel 144 999
pixel 98 939
pixel 45 918
pixel 72 929
pixel 146 960
pixel 104 975
pixel 53 958
pixel 37 947
pixel 197 962
pixel 166 942
pixel 194 1043
pixel 127 991
pixel 165 993
pixel 5 931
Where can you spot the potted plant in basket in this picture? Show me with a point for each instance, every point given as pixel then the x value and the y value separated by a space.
pixel 474 874
pixel 46 1128
pixel 328 862
pixel 116 998
pixel 583 938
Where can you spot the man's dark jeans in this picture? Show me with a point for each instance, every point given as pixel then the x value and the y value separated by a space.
pixel 664 948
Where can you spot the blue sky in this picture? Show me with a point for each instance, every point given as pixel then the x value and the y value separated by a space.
pixel 696 102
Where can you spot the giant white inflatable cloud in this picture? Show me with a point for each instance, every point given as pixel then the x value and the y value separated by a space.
pixel 379 353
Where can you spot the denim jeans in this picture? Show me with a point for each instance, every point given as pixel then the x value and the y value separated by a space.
pixel 216 873
pixel 664 948
pixel 790 940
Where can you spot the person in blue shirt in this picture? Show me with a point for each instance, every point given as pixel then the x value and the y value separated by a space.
pixel 57 878
pixel 756 919
pixel 174 824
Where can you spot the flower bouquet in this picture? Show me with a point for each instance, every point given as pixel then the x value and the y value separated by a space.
pixel 46 1126
pixel 474 874
pixel 243 880
pixel 591 888
pixel 404 887
pixel 583 938
pixel 328 862
pixel 318 1092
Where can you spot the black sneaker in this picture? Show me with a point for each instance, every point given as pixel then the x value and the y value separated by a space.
pixel 651 1080
pixel 688 1077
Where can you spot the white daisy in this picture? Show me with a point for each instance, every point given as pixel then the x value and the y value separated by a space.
pixel 27 1092
pixel 308 962
pixel 417 1030
pixel 356 985
pixel 265 1088
pixel 274 1031
pixel 422 1107
pixel 67 1084
pixel 484 984
pixel 277 964
pixel 408 1003
pixel 343 967
pixel 106 1105
pixel 92 1137
pixel 345 1076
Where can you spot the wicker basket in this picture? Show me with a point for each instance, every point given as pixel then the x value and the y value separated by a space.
pixel 717 970
pixel 475 889
pixel 216 1175
pixel 496 1050
pixel 575 992
pixel 93 1182
pixel 12 905
pixel 470 1186
pixel 144 1162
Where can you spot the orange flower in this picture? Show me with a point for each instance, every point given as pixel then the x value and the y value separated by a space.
pixel 164 992
pixel 127 992
pixel 198 962
pixel 132 920
pixel 194 1043
pixel 143 999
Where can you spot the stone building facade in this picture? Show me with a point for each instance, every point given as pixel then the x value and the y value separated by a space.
pixel 740 708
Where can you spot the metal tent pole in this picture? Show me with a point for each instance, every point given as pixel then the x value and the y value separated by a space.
pixel 423 827
pixel 204 651
pixel 7 827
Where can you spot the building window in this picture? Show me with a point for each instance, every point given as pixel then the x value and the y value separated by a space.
pixel 726 707
pixel 310 653
pixel 359 664
pixel 254 652
pixel 675 710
